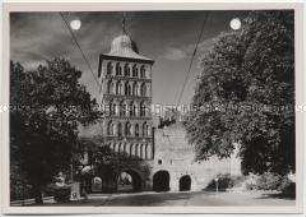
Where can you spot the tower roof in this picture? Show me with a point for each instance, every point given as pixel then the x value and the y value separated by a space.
pixel 123 46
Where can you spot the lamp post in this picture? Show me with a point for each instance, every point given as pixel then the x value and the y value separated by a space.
pixel 217 184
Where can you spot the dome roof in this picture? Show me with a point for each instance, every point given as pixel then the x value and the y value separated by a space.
pixel 123 46
pixel 121 42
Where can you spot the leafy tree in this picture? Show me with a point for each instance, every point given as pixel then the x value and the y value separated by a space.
pixel 245 95
pixel 47 105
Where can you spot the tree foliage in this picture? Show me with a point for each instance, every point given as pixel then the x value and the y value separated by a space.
pixel 46 104
pixel 245 94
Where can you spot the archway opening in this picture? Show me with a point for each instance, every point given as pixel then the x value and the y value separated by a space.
pixel 161 181
pixel 128 181
pixel 185 183
pixel 97 184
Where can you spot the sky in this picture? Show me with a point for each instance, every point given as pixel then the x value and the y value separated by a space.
pixel 168 37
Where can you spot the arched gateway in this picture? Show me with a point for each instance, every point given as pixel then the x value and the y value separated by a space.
pixel 185 183
pixel 161 181
pixel 128 181
pixel 127 128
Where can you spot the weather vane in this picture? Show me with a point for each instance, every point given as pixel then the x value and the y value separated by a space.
pixel 123 23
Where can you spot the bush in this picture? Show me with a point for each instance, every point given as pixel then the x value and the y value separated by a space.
pixel 225 181
pixel 289 190
pixel 61 194
pixel 269 181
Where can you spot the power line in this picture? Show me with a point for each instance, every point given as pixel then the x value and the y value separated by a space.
pixel 82 53
pixel 79 47
pixel 192 58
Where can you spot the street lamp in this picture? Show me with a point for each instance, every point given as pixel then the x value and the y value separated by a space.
pixel 217 184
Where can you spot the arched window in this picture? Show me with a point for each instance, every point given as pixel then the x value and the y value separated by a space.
pixel 132 109
pixel 142 109
pixel 141 151
pixel 135 71
pixel 119 129
pixel 131 149
pixel 135 89
pixel 136 150
pixel 145 129
pixel 109 68
pixel 142 71
pixel 127 70
pixel 110 87
pixel 127 129
pixel 118 69
pixel 127 89
pixel 112 108
pixel 110 128
pixel 119 88
pixel 122 108
pixel 143 90
pixel 136 130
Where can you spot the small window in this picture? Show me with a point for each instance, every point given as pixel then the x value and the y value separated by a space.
pixel 119 129
pixel 110 87
pixel 143 90
pixel 142 72
pixel 128 129
pixel 135 71
pixel 142 109
pixel 135 89
pixel 136 130
pixel 160 162
pixel 119 88
pixel 127 89
pixel 118 69
pixel 127 70
pixel 110 129
pixel 109 68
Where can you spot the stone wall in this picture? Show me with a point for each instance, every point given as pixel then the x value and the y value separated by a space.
pixel 174 154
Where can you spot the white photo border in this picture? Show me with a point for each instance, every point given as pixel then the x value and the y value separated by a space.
pixel 90 7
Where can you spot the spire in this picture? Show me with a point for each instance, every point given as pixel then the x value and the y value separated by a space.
pixel 123 23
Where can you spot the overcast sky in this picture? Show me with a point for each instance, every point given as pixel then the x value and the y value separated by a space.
pixel 167 37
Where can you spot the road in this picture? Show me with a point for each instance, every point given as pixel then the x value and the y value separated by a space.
pixel 184 199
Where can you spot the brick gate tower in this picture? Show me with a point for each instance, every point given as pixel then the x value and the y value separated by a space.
pixel 126 96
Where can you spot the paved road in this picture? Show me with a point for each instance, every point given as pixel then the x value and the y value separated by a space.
pixel 185 199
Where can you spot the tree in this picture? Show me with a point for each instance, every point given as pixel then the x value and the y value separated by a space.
pixel 47 105
pixel 245 95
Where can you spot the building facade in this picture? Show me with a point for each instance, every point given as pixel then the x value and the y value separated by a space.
pixel 165 158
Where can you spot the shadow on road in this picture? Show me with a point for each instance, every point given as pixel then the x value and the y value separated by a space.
pixel 278 196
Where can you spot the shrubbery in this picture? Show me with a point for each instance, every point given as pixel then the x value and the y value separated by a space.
pixel 269 181
pixel 61 194
pixel 225 181
pixel 266 182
